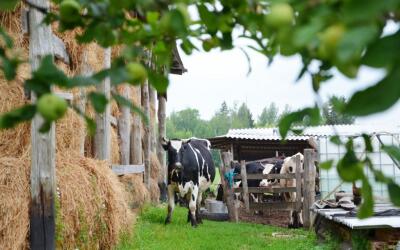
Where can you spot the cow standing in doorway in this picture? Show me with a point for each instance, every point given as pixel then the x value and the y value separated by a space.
pixel 190 172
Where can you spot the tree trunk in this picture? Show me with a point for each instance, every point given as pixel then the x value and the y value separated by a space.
pixel 43 181
pixel 124 128
pixel 162 181
pixel 136 134
pixel 102 138
pixel 146 136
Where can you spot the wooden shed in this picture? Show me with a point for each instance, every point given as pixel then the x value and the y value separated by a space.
pixel 259 143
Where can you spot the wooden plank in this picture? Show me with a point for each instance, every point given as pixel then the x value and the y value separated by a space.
pixel 59 50
pixel 273 205
pixel 127 169
pixel 66 96
pixel 232 211
pixel 298 184
pixel 124 127
pixel 136 133
pixel 85 70
pixel 147 135
pixel 161 115
pixel 245 186
pixel 102 138
pixel 309 186
pixel 263 190
pixel 43 180
pixel 268 176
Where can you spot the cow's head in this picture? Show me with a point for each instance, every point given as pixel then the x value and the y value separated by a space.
pixel 289 164
pixel 174 148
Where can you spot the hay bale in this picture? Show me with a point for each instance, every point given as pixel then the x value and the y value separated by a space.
pixel 136 190
pixel 115 154
pixel 154 191
pixel 155 167
pixel 91 207
pixel 14 203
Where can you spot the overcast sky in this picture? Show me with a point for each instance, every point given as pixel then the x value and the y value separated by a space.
pixel 218 76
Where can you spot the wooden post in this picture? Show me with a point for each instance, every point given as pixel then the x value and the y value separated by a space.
pixel 124 128
pixel 146 136
pixel 102 138
pixel 243 172
pixel 86 71
pixel 136 134
pixel 43 181
pixel 227 159
pixel 309 186
pixel 162 182
pixel 298 185
pixel 152 118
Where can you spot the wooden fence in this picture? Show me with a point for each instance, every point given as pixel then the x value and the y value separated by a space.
pixel 304 188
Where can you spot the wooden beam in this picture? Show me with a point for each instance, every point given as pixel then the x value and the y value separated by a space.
pixel 102 138
pixel 273 205
pixel 66 96
pixel 263 190
pixel 147 135
pixel 244 185
pixel 232 211
pixel 269 176
pixel 152 119
pixel 161 113
pixel 309 186
pixel 298 184
pixel 136 134
pixel 127 169
pixel 124 127
pixel 43 180
pixel 59 50
pixel 113 121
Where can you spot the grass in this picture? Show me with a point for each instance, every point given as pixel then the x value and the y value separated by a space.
pixel 151 233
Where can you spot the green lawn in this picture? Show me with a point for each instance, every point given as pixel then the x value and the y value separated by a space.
pixel 151 233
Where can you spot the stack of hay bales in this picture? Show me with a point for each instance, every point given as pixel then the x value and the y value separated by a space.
pixel 91 206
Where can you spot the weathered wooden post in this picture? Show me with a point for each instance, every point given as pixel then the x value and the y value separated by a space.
pixel 147 136
pixel 161 112
pixel 124 128
pixel 102 138
pixel 136 134
pixel 243 173
pixel 228 190
pixel 152 118
pixel 309 186
pixel 43 182
pixel 298 189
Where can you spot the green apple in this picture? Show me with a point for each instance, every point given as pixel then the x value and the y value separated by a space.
pixel 70 11
pixel 281 14
pixel 332 35
pixel 51 107
pixel 137 72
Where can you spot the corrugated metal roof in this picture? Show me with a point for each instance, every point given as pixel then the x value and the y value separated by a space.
pixel 271 134
pixel 325 130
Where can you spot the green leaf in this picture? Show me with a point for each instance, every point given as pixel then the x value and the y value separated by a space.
pixel 336 140
pixel 349 167
pixel 9 67
pixel 46 126
pixel 16 116
pixel 125 102
pixel 158 81
pixel 326 164
pixel 296 117
pixel 392 151
pixel 90 125
pixel 384 52
pixel 367 207
pixel 367 142
pixel 377 98
pixel 7 39
pixel 8 4
pixel 99 101
pixel 394 193
pixel 305 34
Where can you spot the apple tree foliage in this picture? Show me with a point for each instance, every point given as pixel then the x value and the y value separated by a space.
pixel 338 35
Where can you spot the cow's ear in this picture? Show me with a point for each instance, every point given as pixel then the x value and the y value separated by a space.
pixel 164 143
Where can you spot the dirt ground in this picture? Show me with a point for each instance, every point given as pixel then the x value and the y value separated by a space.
pixel 275 218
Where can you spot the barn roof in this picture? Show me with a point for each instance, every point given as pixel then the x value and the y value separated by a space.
pixel 177 66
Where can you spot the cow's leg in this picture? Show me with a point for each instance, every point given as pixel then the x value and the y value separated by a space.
pixel 301 218
pixel 171 203
pixel 192 205
pixel 199 199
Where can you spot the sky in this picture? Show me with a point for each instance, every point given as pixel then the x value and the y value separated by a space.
pixel 217 76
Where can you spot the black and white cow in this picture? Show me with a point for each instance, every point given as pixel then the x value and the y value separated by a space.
pixel 190 172
pixel 271 169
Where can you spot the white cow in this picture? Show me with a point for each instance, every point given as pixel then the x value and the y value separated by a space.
pixel 289 166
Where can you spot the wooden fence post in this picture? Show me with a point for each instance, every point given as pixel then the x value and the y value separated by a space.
pixel 160 150
pixel 102 138
pixel 146 136
pixel 227 159
pixel 309 186
pixel 298 187
pixel 243 173
pixel 124 128
pixel 43 182
pixel 136 134
pixel 86 71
